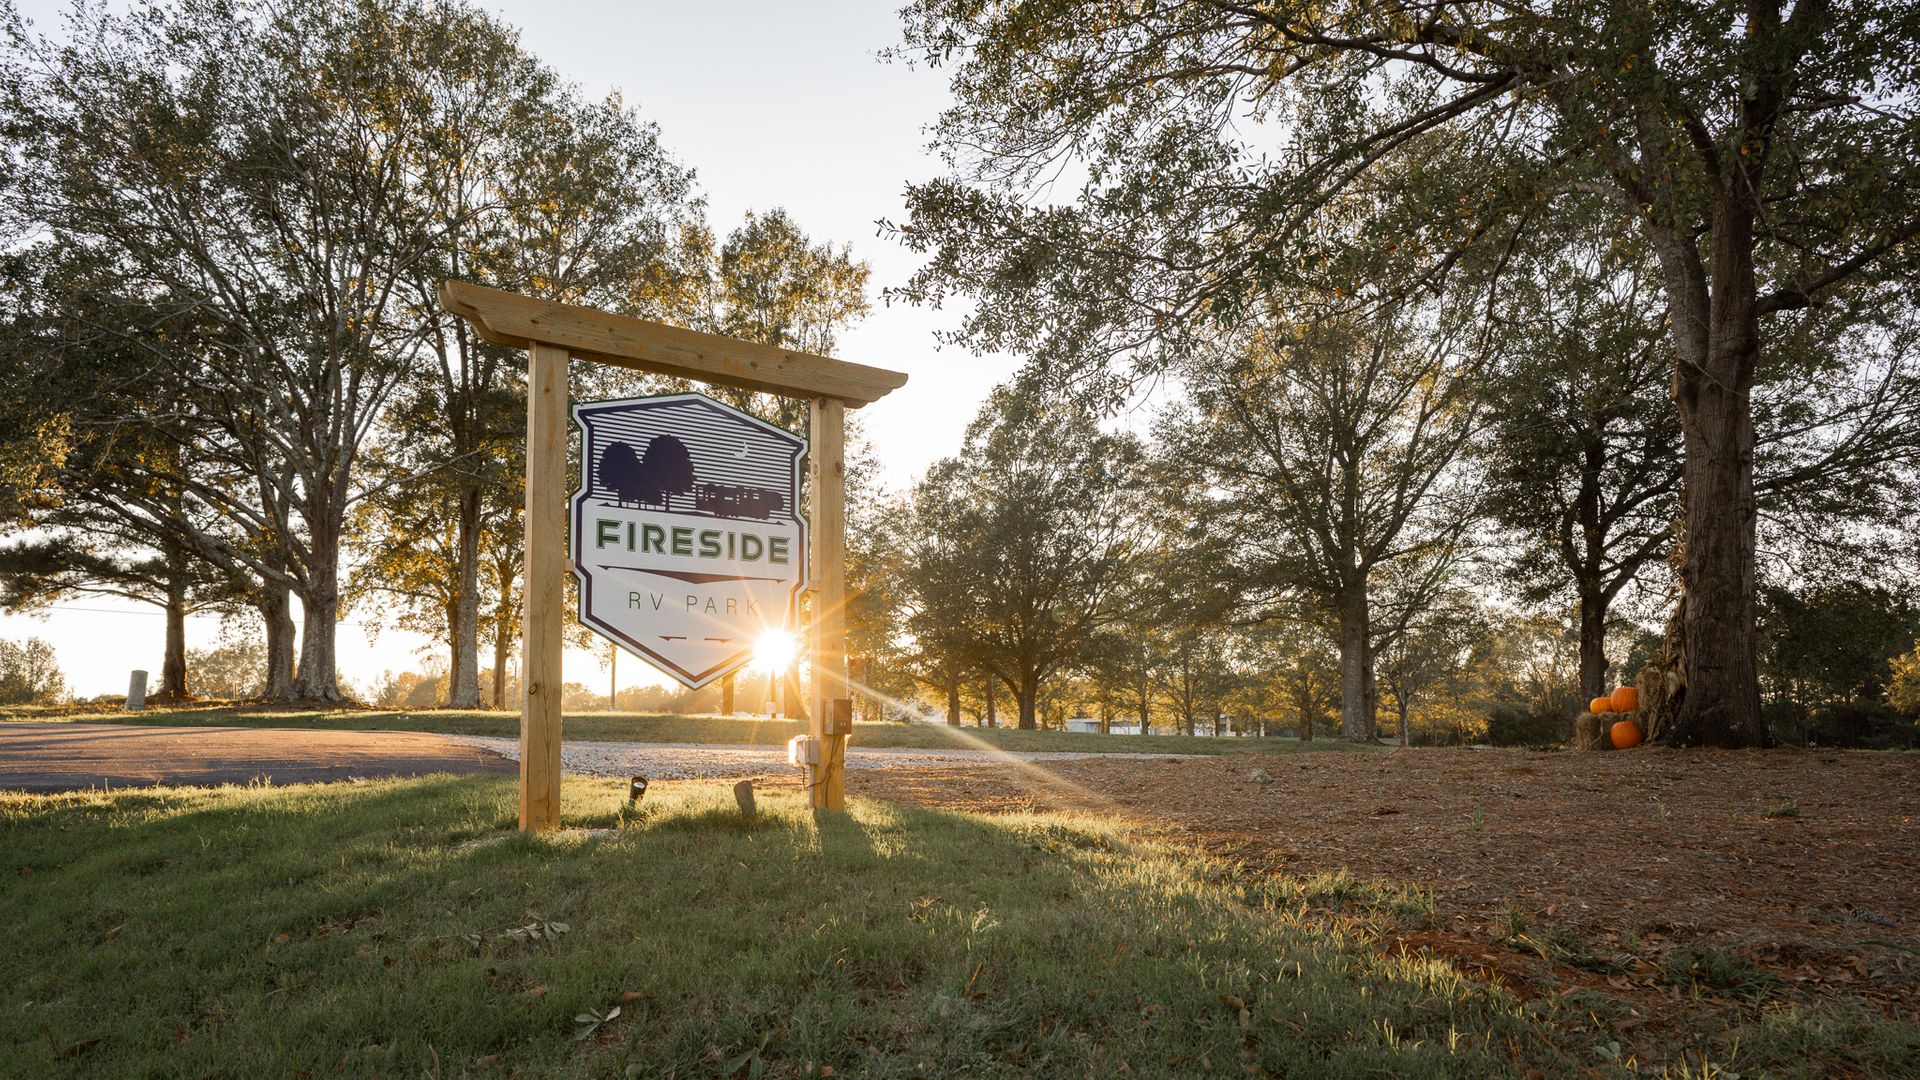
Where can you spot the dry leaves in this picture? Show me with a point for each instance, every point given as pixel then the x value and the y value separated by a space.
pixel 1635 852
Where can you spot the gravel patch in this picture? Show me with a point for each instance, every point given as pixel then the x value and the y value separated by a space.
pixel 687 761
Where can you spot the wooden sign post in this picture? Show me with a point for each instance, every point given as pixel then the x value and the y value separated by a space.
pixel 552 333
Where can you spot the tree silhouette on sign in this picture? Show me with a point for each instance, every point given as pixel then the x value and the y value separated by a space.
pixel 666 470
pixel 620 472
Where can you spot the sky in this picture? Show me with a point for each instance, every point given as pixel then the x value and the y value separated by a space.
pixel 773 105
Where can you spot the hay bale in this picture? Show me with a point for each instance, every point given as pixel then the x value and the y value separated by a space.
pixel 1590 732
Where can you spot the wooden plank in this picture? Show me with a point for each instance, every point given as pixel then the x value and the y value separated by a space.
pixel 827 525
pixel 544 596
pixel 506 318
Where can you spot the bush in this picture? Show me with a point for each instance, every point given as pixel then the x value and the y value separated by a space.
pixel 1860 725
pixel 1515 723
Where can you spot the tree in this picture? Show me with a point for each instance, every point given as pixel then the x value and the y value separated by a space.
pixel 1039 512
pixel 107 455
pixel 1580 451
pixel 1319 456
pixel 620 471
pixel 1761 153
pixel 876 594
pixel 1189 601
pixel 30 674
pixel 536 190
pixel 1833 642
pixel 85 562
pixel 768 282
pixel 1903 686
pixel 1432 648
pixel 251 167
pixel 236 668
pixel 665 470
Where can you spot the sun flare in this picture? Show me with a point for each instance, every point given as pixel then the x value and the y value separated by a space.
pixel 775 650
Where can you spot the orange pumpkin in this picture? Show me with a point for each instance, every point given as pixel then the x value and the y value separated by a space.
pixel 1626 735
pixel 1599 705
pixel 1626 699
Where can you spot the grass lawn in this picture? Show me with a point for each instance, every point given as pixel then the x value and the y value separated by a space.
pixel 360 929
pixel 648 727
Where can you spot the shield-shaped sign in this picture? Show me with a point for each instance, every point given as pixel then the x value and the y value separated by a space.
pixel 687 536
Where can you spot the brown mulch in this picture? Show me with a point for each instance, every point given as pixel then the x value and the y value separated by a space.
pixel 1804 864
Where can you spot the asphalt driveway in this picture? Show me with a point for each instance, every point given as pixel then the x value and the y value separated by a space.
pixel 69 757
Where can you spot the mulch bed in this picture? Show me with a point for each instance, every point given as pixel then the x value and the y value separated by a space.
pixel 1611 869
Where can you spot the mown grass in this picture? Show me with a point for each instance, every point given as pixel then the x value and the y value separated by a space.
pixel 390 928
pixel 650 727
pixel 353 928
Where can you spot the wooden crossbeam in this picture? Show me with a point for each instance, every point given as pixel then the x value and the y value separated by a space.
pixel 511 319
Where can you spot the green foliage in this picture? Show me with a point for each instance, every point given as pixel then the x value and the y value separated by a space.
pixel 1215 156
pixel 1319 455
pixel 1834 641
pixel 233 669
pixel 1517 723
pixel 1903 688
pixel 30 674
pixel 1023 542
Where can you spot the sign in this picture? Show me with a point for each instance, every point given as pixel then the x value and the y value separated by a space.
pixel 687 537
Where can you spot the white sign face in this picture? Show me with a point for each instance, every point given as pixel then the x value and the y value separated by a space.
pixel 687 536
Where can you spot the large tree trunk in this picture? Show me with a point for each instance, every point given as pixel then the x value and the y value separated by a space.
pixel 1027 694
pixel 1720 705
pixel 953 700
pixel 316 678
pixel 463 667
pixel 992 719
pixel 1722 702
pixel 1356 721
pixel 276 613
pixel 1593 644
pixel 1305 701
pixel 173 665
pixel 1406 722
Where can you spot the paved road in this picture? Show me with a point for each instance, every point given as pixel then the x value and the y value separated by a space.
pixel 67 757
pixel 680 761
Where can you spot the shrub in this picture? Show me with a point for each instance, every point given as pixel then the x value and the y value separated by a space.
pixel 1515 723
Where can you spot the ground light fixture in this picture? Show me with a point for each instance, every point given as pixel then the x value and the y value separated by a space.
pixel 636 789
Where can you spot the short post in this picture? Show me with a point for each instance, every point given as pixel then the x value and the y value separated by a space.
pixel 545 597
pixel 830 719
pixel 726 693
pixel 137 690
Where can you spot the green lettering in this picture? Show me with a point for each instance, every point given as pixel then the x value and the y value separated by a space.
pixel 682 540
pixel 709 543
pixel 750 546
pixel 777 549
pixel 653 538
pixel 605 532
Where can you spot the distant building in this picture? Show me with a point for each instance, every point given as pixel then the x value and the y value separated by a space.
pixel 1116 727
